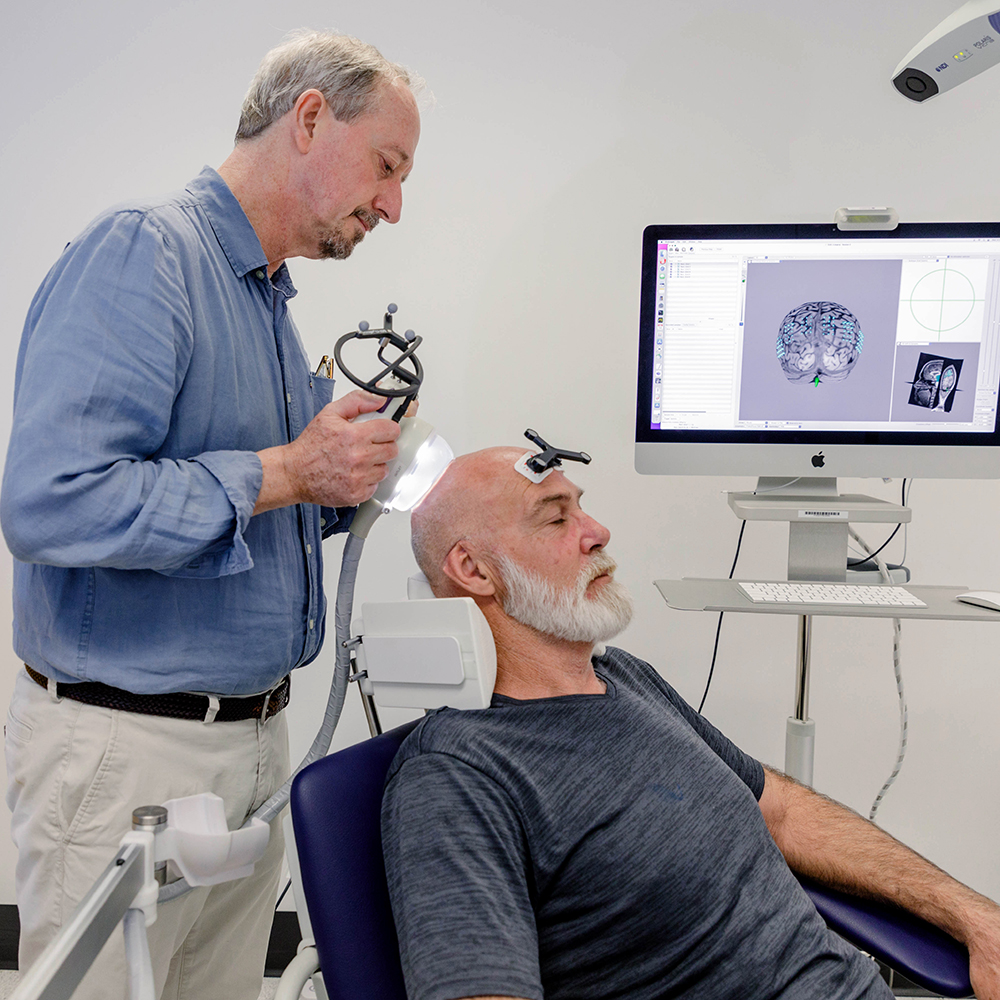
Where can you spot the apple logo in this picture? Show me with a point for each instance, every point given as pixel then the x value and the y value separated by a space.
pixel 818 461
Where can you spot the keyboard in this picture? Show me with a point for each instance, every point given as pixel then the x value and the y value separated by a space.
pixel 840 594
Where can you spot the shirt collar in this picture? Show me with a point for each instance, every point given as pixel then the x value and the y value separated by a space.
pixel 233 230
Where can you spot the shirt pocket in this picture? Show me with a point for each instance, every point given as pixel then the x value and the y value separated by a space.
pixel 87 794
pixel 322 391
pixel 16 730
pixel 17 737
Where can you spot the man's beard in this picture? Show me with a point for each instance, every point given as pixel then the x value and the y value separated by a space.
pixel 337 245
pixel 568 613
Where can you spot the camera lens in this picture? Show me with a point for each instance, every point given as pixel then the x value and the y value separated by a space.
pixel 915 84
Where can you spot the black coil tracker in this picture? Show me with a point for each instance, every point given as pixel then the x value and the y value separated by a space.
pixel 405 368
pixel 550 457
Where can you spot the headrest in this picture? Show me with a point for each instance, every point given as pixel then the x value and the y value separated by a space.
pixel 418 588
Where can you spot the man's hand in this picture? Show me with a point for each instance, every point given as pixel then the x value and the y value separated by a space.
pixel 983 942
pixel 333 462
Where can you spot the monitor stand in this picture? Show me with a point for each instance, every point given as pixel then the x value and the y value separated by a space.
pixel 818 517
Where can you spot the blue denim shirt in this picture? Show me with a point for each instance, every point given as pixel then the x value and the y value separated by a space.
pixel 156 359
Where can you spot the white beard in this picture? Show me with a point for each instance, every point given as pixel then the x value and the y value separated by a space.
pixel 568 613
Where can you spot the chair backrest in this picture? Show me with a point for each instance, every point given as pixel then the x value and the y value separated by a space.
pixel 336 808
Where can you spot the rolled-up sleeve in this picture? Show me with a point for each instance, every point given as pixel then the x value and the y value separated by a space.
pixel 85 483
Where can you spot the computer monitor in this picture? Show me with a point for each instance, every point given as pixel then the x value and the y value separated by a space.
pixel 788 351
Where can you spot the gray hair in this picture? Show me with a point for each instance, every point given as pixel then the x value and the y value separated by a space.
pixel 346 71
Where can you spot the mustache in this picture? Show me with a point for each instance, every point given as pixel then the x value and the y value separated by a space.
pixel 370 219
pixel 600 563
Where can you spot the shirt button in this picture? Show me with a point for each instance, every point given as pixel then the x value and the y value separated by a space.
pixel 309 550
pixel 311 623
pixel 322 522
pixel 260 274
pixel 288 396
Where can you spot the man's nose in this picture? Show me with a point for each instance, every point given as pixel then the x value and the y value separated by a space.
pixel 595 535
pixel 389 201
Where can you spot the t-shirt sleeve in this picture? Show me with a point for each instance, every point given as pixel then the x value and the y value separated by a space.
pixel 458 873
pixel 747 768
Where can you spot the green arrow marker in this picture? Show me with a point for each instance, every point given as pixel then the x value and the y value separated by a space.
pixel 816 380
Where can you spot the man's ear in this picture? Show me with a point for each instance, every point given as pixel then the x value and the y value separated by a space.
pixel 307 108
pixel 468 572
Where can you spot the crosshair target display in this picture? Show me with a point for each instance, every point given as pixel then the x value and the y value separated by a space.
pixel 819 342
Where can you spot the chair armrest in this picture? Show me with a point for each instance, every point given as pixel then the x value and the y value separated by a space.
pixel 917 949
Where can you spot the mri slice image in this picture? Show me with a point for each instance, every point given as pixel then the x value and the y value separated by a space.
pixel 935 382
pixel 819 342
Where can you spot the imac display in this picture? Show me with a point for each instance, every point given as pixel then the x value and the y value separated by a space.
pixel 797 351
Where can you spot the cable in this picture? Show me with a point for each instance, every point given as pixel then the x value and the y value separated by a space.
pixel 338 692
pixel 897 635
pixel 859 562
pixel 907 485
pixel 288 886
pixel 407 382
pixel 718 628
pixel 776 489
pixel 903 720
pixel 341 675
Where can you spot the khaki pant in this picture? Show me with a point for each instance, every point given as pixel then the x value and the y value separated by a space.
pixel 75 773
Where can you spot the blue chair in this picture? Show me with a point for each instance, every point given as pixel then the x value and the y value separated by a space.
pixel 919 950
pixel 336 805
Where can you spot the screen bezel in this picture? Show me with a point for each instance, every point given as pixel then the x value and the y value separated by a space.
pixel 654 234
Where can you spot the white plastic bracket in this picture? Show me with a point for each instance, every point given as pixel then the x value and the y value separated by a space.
pixel 881 217
pixel 521 465
pixel 199 842
pixel 145 899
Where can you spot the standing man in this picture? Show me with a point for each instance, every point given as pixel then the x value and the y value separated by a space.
pixel 172 470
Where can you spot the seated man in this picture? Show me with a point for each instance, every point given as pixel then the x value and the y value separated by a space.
pixel 589 834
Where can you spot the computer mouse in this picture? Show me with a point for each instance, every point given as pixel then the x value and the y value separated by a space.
pixel 983 598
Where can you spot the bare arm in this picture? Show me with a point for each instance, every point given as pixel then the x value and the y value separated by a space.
pixel 828 842
pixel 333 462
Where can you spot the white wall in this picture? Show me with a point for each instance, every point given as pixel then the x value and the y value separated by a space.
pixel 561 129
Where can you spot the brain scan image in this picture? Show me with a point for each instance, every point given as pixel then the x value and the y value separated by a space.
pixel 819 342
pixel 935 382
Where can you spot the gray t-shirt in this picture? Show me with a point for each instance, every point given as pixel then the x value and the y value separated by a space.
pixel 597 846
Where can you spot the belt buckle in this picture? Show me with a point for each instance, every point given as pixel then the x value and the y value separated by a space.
pixel 264 714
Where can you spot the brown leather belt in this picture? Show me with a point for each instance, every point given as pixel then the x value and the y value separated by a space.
pixel 181 705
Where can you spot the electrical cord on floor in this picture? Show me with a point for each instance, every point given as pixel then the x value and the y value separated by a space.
pixel 897 634
pixel 718 628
